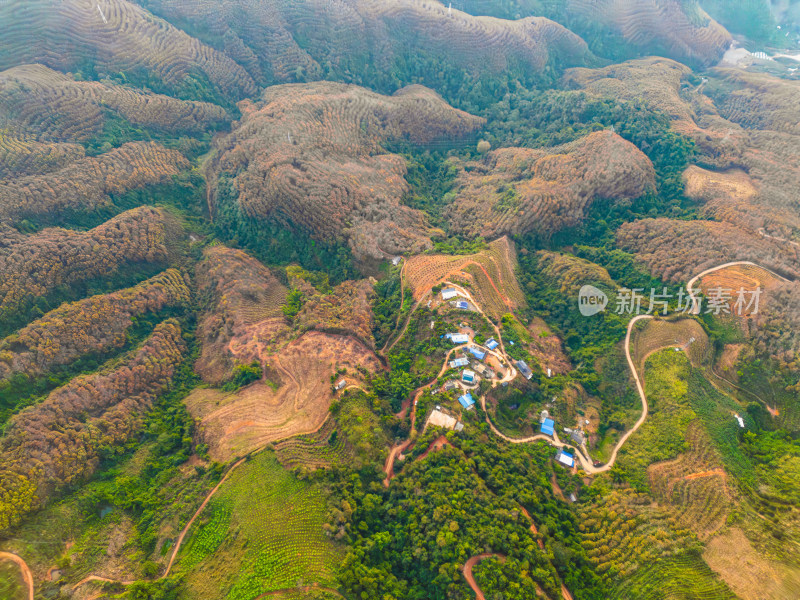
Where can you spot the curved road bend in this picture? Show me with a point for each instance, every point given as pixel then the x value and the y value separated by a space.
pixel 693 280
pixel 27 576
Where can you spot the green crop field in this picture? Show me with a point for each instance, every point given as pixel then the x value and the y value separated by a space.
pixel 262 532
pixel 663 434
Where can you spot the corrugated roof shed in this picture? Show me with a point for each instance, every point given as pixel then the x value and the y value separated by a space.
pixel 449 293
pixel 467 401
pixel 477 352
pixel 491 344
pixel 548 426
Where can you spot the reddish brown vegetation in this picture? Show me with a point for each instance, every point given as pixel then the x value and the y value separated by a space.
pixel 571 272
pixel 96 324
pixel 58 442
pixel 50 106
pixel 20 156
pixel 63 35
pixel 694 485
pixel 678 250
pixel 242 316
pixel 272 39
pixel 311 155
pixel 34 265
pixel 346 310
pixel 678 28
pixel 85 185
pixel 516 190
pixel 749 129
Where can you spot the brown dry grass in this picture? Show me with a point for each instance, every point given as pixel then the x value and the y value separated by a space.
pixel 748 573
pixel 706 186
pixel 234 424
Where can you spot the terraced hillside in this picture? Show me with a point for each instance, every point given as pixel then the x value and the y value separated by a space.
pixel 294 401
pixel 242 316
pixel 34 266
pixel 346 310
pixel 279 42
pixel 747 161
pixel 673 28
pixel 93 325
pixel 312 156
pixel 87 185
pixel 57 443
pixel 50 106
pixel 517 190
pixel 489 274
pixel 20 156
pixel 677 250
pixel 694 485
pixel 117 36
pixel 756 100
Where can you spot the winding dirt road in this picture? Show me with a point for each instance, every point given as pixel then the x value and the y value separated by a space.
pixel 690 286
pixel 27 576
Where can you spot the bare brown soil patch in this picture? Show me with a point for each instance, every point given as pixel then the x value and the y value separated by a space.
pixel 547 348
pixel 234 424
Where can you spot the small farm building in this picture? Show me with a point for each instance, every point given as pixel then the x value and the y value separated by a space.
pixel 548 426
pixel 565 459
pixel 468 376
pixel 467 401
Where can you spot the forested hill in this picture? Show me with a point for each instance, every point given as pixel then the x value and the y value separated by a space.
pixel 388 300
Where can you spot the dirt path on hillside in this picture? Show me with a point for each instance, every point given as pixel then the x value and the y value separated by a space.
pixel 690 286
pixel 470 564
pixel 27 576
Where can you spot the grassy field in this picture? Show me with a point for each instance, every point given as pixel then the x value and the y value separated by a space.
pixel 662 436
pixel 262 532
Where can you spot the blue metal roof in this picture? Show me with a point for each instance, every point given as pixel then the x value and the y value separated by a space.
pixel 548 426
pixel 477 352
pixel 492 344
pixel 466 400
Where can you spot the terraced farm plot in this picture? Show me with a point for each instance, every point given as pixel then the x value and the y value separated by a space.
pixel 694 485
pixel 490 271
pixel 739 277
pixel 313 155
pixel 662 436
pixel 263 531
pixel 678 250
pixel 242 320
pixel 234 424
pixel 36 265
pixel 323 448
pixel 658 334
pixel 20 156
